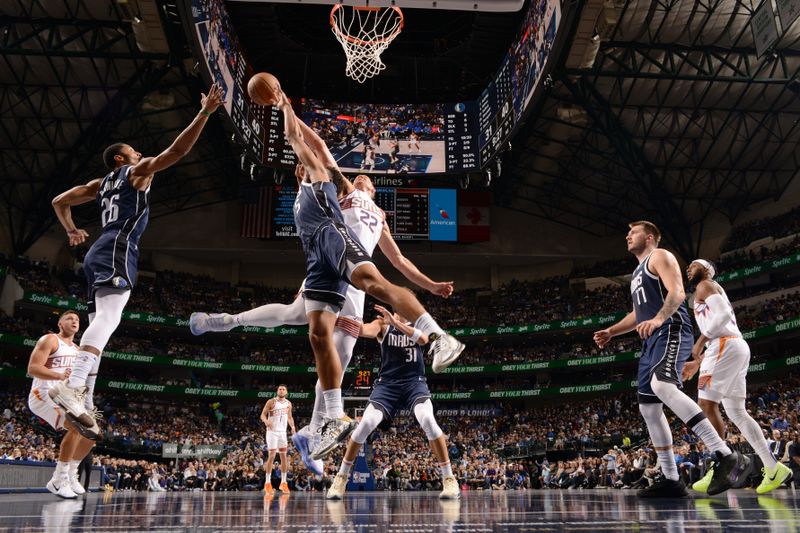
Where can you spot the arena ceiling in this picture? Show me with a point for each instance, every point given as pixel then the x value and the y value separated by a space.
pixel 657 108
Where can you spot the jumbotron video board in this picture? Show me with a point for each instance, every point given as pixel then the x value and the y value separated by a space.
pixel 436 138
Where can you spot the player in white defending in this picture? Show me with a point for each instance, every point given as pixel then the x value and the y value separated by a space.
pixel 413 143
pixel 276 415
pixel 401 385
pixel 723 372
pixel 364 218
pixel 51 361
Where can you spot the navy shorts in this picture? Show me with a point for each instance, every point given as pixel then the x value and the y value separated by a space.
pixel 396 395
pixel 110 262
pixel 663 354
pixel 331 258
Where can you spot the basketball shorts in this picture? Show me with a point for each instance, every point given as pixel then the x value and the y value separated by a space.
pixel 42 406
pixel 663 355
pixel 111 262
pixel 331 258
pixel 276 440
pixel 723 372
pixel 396 395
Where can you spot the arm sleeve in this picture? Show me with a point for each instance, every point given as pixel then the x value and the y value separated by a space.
pixel 720 314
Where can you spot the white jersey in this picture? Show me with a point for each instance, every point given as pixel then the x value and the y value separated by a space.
pixel 59 361
pixel 279 415
pixel 716 314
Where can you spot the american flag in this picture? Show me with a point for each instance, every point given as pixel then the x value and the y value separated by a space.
pixel 255 212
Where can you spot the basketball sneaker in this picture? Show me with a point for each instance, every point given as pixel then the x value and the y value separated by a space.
pixel 728 471
pixel 773 478
pixel 450 489
pixel 74 484
pixel 268 487
pixel 333 432
pixel 663 487
pixel 301 441
pixel 284 488
pixel 338 487
pixel 445 350
pixel 72 400
pixel 200 323
pixel 60 486
pixel 702 484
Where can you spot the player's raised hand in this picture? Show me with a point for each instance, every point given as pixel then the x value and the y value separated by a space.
pixel 442 288
pixel 283 100
pixel 387 316
pixel 211 101
pixel 77 236
pixel 690 368
pixel 602 337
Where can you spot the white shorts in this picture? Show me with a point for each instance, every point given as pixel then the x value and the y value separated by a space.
pixel 723 372
pixel 276 440
pixel 42 406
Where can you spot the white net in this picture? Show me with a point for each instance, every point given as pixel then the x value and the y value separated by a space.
pixel 364 33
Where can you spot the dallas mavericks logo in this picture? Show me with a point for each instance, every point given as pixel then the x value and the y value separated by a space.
pixel 119 282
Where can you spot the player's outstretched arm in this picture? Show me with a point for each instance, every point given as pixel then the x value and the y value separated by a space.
pixel 409 331
pixel 313 166
pixel 372 330
pixel 404 265
pixel 315 142
pixel 62 204
pixel 142 172
pixel 37 368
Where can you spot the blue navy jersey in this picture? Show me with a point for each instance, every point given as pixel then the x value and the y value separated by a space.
pixel 648 295
pixel 123 209
pixel 401 358
pixel 316 204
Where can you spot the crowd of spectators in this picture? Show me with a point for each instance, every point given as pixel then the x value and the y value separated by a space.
pixel 778 226
pixel 591 442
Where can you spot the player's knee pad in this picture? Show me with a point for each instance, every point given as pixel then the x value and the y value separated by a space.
pixel 675 399
pixel 109 304
pixel 424 413
pixel 736 410
pixel 657 425
pixel 369 421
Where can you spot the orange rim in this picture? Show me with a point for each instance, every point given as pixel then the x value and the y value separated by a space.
pixel 359 42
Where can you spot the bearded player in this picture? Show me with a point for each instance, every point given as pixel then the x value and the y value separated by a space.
pixel 723 373
pixel 660 318
pixel 276 415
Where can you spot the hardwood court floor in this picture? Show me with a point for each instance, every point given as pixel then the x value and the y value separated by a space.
pixel 393 512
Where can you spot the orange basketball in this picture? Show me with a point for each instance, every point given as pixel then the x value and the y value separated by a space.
pixel 263 89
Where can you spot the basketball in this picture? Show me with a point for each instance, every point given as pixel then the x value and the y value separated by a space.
pixel 263 88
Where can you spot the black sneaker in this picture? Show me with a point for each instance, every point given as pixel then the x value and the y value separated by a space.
pixel 664 488
pixel 729 470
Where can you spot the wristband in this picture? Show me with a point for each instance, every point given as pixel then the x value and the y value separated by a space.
pixel 417 334
pixel 206 113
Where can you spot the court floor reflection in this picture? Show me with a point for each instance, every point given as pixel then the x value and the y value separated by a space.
pixel 230 512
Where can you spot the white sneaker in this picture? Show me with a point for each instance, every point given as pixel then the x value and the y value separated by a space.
pixel 338 488
pixel 445 349
pixel 72 400
pixel 334 432
pixel 200 323
pixel 60 486
pixel 74 484
pixel 450 489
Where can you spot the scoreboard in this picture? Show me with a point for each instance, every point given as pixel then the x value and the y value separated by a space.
pixel 411 213
pixel 465 138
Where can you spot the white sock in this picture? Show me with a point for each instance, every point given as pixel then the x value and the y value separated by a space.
pixel 91 379
pixel 62 468
pixel 333 403
pixel 283 476
pixel 318 414
pixel 736 411
pixel 666 458
pixel 710 437
pixel 84 362
pixel 73 467
pixel 428 325
pixel 274 315
pixel 446 469
pixel 346 467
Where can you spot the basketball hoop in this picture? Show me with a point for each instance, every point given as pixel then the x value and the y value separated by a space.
pixel 364 33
